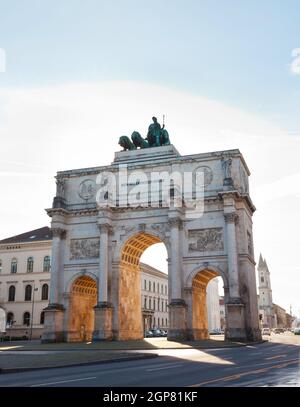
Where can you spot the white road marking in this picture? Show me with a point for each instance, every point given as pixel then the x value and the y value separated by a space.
pixel 275 357
pixel 62 381
pixel 169 366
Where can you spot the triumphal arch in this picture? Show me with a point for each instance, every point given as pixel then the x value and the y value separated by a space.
pixel 104 218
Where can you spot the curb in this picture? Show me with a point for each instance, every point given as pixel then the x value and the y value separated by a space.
pixel 100 362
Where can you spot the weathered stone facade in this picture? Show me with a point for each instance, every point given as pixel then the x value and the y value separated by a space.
pixel 199 249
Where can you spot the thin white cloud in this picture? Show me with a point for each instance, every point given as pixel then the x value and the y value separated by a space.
pixel 295 65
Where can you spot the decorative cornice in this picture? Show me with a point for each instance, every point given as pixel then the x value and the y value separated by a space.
pixel 229 194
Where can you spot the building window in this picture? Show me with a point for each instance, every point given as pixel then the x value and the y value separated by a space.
pixel 149 303
pixel 42 318
pixel 153 287
pixel 162 289
pixel 0 265
pixel 30 265
pixel 158 322
pixel 14 266
pixel 45 291
pixel 145 302
pixel 26 318
pixel 154 322
pixel 262 279
pixel 28 292
pixel 149 285
pixel 166 292
pixel 46 263
pixel 158 304
pixel 145 285
pixel 10 318
pixel 11 293
pixel 154 304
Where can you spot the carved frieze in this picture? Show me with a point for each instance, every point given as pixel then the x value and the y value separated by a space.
pixel 84 248
pixel 203 240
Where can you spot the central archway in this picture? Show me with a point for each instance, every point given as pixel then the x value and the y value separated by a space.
pixel 83 298
pixel 130 315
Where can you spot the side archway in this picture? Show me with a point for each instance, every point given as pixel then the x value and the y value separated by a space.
pixel 82 299
pixel 196 289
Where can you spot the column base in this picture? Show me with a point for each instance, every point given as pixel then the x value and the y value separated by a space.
pixel 253 334
pixel 53 325
pixel 197 334
pixel 235 330
pixel 103 322
pixel 178 320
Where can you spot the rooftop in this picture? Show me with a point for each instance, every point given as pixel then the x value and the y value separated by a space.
pixel 43 233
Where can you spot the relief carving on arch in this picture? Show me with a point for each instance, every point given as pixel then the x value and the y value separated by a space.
pixel 203 240
pixel 81 249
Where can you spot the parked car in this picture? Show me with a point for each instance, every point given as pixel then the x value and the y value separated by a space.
pixel 157 332
pixel 266 331
pixel 215 331
pixel 277 331
pixel 297 331
pixel 149 334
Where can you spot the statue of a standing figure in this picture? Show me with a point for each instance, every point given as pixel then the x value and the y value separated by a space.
pixel 226 165
pixel 154 133
pixel 157 136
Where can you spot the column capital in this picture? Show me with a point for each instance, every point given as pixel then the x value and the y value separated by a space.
pixel 105 228
pixel 59 232
pixel 175 222
pixel 231 217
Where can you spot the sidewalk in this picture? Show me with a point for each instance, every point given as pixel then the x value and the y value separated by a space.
pixel 20 356
pixel 143 344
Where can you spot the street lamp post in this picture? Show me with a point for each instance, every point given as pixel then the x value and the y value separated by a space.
pixel 32 311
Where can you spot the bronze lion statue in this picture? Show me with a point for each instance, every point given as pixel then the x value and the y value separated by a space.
pixel 126 143
pixel 138 140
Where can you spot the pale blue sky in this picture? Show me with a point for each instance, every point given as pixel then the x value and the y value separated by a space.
pixel 237 52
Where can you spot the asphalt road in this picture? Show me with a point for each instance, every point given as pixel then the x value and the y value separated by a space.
pixel 276 363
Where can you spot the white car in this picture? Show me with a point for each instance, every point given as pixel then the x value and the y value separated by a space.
pixel 266 331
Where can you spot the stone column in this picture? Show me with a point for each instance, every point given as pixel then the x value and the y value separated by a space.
pixel 175 224
pixel 103 310
pixel 177 307
pixel 103 263
pixel 235 324
pixel 54 313
pixel 56 264
pixel 231 219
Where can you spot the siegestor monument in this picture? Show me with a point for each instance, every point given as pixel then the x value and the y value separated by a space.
pixel 104 218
